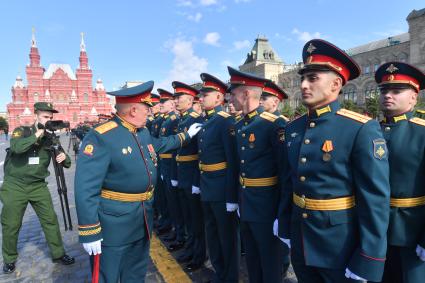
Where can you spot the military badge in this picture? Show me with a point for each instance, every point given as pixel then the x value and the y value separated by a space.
pixel 281 135
pixel 311 48
pixel 129 149
pixel 327 148
pixel 17 134
pixel 163 130
pixel 153 155
pixel 380 150
pixel 251 140
pixel 232 131
pixel 88 150
pixel 293 135
pixel 391 69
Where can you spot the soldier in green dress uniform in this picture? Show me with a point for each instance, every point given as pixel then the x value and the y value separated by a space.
pixel 25 171
pixel 114 183
pixel 399 85
pixel 335 199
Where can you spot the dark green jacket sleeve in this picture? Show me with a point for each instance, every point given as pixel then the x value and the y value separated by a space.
pixel 19 143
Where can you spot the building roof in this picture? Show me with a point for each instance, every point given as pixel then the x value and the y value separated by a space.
pixel 416 13
pixel 393 40
pixel 54 67
pixel 262 51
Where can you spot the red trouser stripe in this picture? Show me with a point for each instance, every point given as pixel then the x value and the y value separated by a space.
pixel 95 274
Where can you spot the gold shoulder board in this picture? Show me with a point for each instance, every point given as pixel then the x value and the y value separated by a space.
pixel 173 117
pixel 151 118
pixel 284 118
pixel 223 114
pixel 418 121
pixel 106 127
pixel 268 116
pixel 194 114
pixel 353 115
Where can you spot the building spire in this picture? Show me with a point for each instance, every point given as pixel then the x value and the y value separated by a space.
pixel 82 45
pixel 33 42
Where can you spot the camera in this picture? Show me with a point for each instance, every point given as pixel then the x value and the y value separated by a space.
pixel 55 125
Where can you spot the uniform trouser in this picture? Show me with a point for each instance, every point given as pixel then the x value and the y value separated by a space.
pixel 403 266
pixel 263 252
pixel 175 208
pixel 160 203
pixel 196 229
pixel 127 263
pixel 15 199
pixel 222 233
pixel 311 274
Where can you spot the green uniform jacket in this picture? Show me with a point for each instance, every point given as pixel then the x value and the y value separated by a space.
pixel 405 138
pixel 24 145
pixel 117 157
pixel 357 165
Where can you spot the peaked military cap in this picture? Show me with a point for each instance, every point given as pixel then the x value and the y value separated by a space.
pixel 321 55
pixel 270 88
pixel 211 83
pixel 44 106
pixel 137 94
pixel 182 88
pixel 238 78
pixel 165 94
pixel 155 98
pixel 399 75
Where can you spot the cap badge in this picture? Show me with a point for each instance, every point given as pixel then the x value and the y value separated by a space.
pixel 311 48
pixel 392 68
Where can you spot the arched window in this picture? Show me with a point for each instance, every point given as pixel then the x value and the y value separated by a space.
pixel 36 97
pixel 86 97
pixel 402 57
pixel 371 90
pixel 350 93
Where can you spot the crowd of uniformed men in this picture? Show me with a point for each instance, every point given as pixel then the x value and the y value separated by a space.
pixel 334 192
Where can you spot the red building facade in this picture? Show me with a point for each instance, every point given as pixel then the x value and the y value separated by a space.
pixel 72 94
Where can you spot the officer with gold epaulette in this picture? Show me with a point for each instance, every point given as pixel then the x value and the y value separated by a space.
pixel 114 183
pixel 271 98
pixel 258 141
pixel 186 178
pixel 219 181
pixel 167 163
pixel 154 112
pixel 335 198
pixel 399 85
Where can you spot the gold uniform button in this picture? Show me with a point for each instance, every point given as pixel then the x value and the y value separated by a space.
pixel 387 129
pixel 243 148
pixel 243 174
pixel 243 187
pixel 243 135
pixel 303 160
pixel 199 151
pixel 302 178
pixel 307 141
pixel 242 161
pixel 305 215
pixel 312 125
pixel 201 140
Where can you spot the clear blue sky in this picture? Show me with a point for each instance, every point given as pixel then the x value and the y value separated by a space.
pixel 167 40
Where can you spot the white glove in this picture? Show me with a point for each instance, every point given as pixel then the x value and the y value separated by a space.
pixel 194 129
pixel 420 252
pixel 174 183
pixel 286 241
pixel 230 207
pixel 196 190
pixel 351 275
pixel 275 227
pixel 162 178
pixel 93 248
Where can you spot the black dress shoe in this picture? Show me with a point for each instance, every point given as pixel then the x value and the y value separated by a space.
pixel 163 230
pixel 184 258
pixel 65 260
pixel 9 268
pixel 170 238
pixel 193 267
pixel 175 246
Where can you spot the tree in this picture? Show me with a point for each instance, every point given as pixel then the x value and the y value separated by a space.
pixel 372 106
pixel 287 110
pixel 300 110
pixel 4 126
pixel 350 105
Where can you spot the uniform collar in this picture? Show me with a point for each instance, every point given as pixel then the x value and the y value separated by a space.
pixel 399 118
pixel 325 110
pixel 277 113
pixel 156 115
pixel 210 113
pixel 187 112
pixel 251 115
pixel 126 124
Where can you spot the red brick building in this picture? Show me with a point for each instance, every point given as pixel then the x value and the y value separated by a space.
pixel 72 94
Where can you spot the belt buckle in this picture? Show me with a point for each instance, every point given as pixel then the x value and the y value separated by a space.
pixel 150 193
pixel 302 201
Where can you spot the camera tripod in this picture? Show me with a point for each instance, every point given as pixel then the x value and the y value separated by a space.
pixel 73 140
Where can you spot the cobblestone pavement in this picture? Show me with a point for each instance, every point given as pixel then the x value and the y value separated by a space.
pixel 34 263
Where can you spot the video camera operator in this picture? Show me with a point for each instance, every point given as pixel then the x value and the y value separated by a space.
pixel 25 170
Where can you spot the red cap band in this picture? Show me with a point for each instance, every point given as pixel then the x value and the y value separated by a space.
pixel 400 79
pixel 215 86
pixel 337 66
pixel 246 81
pixel 185 91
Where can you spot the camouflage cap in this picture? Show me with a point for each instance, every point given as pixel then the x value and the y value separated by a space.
pixel 44 106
